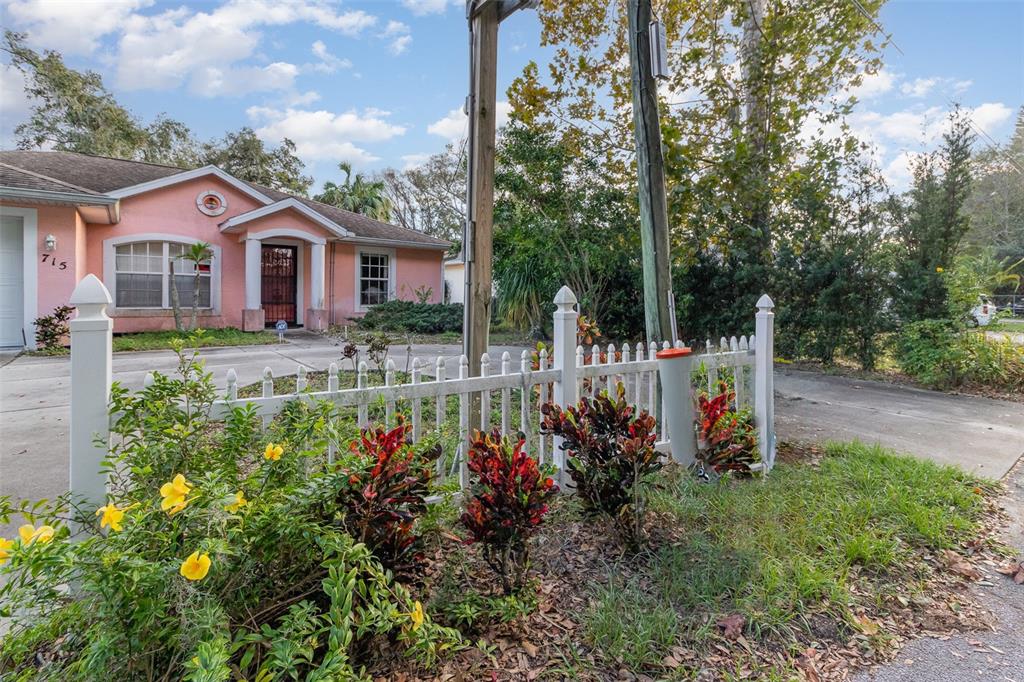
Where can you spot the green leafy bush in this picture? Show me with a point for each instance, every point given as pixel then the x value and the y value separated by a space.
pixel 510 495
pixel 414 317
pixel 726 439
pixel 386 494
pixel 221 552
pixel 51 329
pixel 609 454
pixel 940 355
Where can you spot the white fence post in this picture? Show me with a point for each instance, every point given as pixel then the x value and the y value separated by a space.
pixel 566 389
pixel 91 360
pixel 764 390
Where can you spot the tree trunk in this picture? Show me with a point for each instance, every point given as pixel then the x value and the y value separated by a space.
pixel 175 304
pixel 195 297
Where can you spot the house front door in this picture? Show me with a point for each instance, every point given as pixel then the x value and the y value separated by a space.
pixel 279 284
pixel 11 281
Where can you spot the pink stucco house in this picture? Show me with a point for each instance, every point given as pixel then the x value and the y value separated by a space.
pixel 275 256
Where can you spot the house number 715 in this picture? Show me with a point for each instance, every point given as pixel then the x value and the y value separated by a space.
pixel 61 265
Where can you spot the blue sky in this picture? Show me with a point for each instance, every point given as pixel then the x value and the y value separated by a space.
pixel 380 83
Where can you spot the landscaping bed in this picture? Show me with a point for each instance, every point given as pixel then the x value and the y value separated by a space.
pixel 830 564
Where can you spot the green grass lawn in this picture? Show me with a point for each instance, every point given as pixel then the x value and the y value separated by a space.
pixel 795 555
pixel 210 338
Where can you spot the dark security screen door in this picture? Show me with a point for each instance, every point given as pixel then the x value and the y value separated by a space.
pixel 279 283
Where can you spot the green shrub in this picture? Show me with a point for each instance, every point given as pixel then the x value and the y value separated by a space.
pixel 222 552
pixel 508 501
pixel 51 329
pixel 413 317
pixel 940 355
pixel 609 455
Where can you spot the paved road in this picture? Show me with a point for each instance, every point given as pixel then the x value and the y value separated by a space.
pixel 978 434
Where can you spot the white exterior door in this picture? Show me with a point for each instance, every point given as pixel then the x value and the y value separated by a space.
pixel 12 281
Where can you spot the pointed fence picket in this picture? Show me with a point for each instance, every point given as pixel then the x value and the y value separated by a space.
pixel 561 376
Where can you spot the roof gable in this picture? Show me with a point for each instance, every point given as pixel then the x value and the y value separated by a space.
pixel 291 203
pixel 185 176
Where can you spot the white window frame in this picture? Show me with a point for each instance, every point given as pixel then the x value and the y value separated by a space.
pixel 392 274
pixel 110 269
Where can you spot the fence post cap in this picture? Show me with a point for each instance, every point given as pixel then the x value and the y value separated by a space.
pixel 765 302
pixel 90 291
pixel 565 298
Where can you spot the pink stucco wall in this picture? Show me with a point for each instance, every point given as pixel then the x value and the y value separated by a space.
pixel 172 211
pixel 55 283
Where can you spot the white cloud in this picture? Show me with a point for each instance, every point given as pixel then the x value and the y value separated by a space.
pixel 990 115
pixel 329 63
pixel 14 103
pixel 400 44
pixel 180 45
pixel 873 85
pixel 414 160
pixel 898 172
pixel 454 126
pixel 71 27
pixel 962 86
pixel 399 33
pixel 421 7
pixel 302 99
pixel 323 134
pixel 919 87
pixel 212 81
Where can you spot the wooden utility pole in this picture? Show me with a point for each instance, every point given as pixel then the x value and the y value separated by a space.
pixel 659 312
pixel 477 238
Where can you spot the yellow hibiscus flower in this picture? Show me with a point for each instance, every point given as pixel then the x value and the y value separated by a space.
pixel 239 502
pixel 940 270
pixel 273 452
pixel 417 615
pixel 196 566
pixel 174 494
pixel 5 546
pixel 112 516
pixel 30 534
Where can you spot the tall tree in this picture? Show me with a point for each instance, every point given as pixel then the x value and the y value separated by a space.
pixel 73 111
pixel 357 194
pixel 931 223
pixel 245 156
pixel 431 197
pixel 748 79
pixel 996 203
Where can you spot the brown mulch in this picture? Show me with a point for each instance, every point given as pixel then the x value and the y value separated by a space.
pixel 571 556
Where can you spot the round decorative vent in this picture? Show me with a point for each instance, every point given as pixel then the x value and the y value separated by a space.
pixel 211 203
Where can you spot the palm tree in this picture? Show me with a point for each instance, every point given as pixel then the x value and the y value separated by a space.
pixel 357 194
pixel 200 252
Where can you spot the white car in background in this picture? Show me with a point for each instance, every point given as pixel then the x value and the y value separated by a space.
pixel 983 312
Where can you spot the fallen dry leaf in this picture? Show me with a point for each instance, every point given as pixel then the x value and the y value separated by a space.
pixel 865 624
pixel 731 626
pixel 960 566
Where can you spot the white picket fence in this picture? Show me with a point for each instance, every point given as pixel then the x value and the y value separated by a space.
pixel 562 377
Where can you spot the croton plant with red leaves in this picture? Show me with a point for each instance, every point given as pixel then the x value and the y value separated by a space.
pixel 384 490
pixel 510 494
pixel 610 453
pixel 726 439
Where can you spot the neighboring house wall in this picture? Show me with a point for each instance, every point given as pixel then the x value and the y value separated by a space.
pixel 454 277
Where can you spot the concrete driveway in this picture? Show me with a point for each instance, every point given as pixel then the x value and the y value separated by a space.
pixel 980 435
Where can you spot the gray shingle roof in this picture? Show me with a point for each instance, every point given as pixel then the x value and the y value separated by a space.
pixel 19 178
pixel 101 174
pixel 98 173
